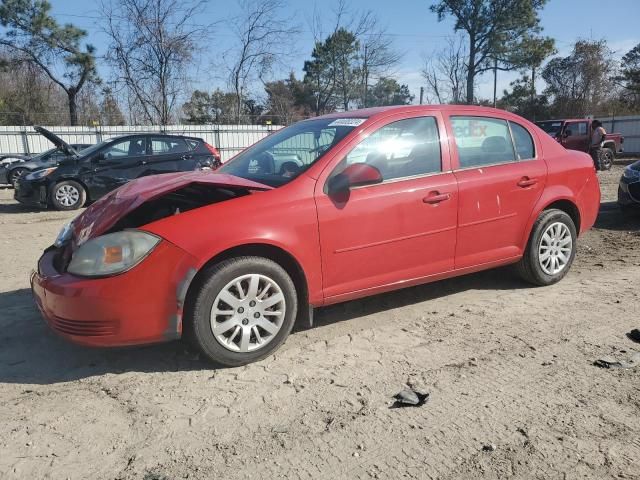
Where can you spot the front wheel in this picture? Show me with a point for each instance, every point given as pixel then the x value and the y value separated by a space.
pixel 551 249
pixel 242 310
pixel 15 174
pixel 67 195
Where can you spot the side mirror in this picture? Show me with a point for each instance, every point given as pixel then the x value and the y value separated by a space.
pixel 97 158
pixel 355 175
pixel 567 133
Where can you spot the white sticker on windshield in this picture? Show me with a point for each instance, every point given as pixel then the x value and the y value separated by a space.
pixel 347 122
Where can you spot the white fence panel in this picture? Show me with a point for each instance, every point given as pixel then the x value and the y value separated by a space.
pixel 228 139
pixel 629 127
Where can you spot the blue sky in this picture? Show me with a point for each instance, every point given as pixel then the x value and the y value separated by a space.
pixel 414 28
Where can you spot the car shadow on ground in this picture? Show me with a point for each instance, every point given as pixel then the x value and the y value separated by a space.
pixel 611 217
pixel 17 208
pixel 31 354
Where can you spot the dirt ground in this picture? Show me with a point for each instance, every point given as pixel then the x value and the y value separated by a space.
pixel 509 368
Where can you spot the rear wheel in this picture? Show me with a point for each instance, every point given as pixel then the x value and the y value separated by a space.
pixel 607 156
pixel 242 310
pixel 67 195
pixel 551 249
pixel 15 174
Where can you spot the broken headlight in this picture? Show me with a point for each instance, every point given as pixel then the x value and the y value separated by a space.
pixel 112 254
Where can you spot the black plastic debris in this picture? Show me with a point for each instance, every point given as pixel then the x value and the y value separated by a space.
pixel 489 448
pixel 409 398
pixel 634 335
pixel 610 362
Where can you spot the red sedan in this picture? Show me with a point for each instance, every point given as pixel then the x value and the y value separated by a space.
pixel 327 210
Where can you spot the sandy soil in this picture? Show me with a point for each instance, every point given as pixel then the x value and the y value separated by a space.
pixel 507 366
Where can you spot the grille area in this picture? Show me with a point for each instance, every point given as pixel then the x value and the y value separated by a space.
pixel 85 328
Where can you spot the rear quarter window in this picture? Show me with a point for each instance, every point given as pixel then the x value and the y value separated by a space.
pixel 525 148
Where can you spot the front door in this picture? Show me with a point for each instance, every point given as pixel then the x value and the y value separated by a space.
pixel 114 165
pixel 499 179
pixel 576 136
pixel 401 229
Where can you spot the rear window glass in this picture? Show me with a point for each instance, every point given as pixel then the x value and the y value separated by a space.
pixel 523 142
pixel 482 141
pixel 161 146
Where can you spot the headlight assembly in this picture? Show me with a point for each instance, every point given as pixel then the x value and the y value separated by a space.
pixel 40 173
pixel 630 173
pixel 112 254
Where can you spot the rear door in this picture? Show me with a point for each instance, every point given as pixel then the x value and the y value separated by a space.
pixel 500 178
pixel 169 154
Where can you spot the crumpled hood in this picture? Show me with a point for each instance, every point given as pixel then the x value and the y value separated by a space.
pixel 103 214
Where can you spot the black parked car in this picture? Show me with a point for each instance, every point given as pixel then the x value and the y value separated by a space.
pixel 13 167
pixel 107 165
pixel 629 187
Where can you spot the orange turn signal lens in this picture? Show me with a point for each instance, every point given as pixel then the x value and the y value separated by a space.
pixel 112 255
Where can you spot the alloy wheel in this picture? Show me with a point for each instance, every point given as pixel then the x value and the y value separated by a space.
pixel 248 313
pixel 554 251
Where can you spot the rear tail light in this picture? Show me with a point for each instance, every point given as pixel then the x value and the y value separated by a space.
pixel 214 151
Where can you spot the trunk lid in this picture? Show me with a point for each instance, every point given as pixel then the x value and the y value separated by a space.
pixel 57 141
pixel 105 213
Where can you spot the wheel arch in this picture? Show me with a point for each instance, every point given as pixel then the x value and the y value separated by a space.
pixel 265 250
pixel 562 202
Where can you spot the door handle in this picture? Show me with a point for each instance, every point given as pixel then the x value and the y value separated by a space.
pixel 436 197
pixel 143 162
pixel 527 182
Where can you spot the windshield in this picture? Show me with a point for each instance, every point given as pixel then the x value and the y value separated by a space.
pixel 44 154
pixel 552 128
pixel 93 148
pixel 282 156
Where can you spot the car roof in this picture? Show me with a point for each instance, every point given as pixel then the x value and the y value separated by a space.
pixel 372 113
pixel 564 120
pixel 154 134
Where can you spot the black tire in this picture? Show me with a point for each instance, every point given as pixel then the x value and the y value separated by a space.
pixel 197 318
pixel 62 204
pixel 529 267
pixel 15 174
pixel 607 156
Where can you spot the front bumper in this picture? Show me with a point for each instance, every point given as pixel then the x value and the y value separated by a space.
pixel 32 193
pixel 143 305
pixel 629 191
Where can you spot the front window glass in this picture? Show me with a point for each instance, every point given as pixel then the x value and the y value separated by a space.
pixel 126 148
pixel 400 149
pixel 283 155
pixel 482 141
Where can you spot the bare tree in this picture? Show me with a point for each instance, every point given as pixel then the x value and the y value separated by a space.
pixel 152 46
pixel 446 72
pixel 263 38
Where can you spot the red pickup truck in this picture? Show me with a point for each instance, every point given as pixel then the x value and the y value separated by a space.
pixel 575 134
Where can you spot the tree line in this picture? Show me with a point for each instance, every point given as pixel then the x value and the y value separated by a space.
pixel 49 72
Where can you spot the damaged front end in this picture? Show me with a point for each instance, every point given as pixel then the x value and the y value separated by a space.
pixel 108 281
